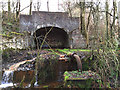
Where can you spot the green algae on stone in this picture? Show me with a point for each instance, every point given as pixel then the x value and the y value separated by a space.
pixel 80 80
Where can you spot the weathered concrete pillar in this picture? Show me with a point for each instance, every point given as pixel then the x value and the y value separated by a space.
pixel 70 40
pixel 31 42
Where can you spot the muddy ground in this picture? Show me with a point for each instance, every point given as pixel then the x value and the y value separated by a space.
pixel 11 56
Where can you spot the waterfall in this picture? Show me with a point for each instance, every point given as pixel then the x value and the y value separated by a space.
pixel 7 79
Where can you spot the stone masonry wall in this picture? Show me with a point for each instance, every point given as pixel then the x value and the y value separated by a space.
pixel 40 19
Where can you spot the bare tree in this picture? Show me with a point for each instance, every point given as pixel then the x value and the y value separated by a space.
pixel 48 5
pixel 17 9
pixel 112 27
pixel 9 9
pixel 107 22
pixel 82 18
pixel 88 23
pixel 58 5
pixel 38 5
pixel 30 11
pixel 69 8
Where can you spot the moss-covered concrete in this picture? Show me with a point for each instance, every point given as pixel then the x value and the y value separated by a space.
pixel 47 68
pixel 85 79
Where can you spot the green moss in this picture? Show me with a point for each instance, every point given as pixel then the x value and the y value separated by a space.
pixel 9 23
pixel 46 70
pixel 52 51
pixel 67 51
pixel 66 73
pixel 16 33
pixel 66 78
pixel 45 86
pixel 0 51
pixel 79 80
pixel 7 52
pixel 63 51
pixel 10 35
pixel 6 35
pixel 79 84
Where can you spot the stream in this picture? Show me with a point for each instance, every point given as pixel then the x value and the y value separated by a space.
pixel 13 77
pixel 7 79
pixel 50 73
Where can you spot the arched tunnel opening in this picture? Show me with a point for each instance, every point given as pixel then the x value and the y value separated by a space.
pixel 56 38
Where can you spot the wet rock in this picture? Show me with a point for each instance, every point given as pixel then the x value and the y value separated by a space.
pixel 27 66
pixel 18 76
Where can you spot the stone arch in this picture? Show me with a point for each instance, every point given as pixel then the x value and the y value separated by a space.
pixel 56 38
pixel 49 25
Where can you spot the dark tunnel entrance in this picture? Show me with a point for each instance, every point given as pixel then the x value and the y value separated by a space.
pixel 56 38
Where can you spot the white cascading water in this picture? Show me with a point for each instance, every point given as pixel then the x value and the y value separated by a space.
pixel 7 79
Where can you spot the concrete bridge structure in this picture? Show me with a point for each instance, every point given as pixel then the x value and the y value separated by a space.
pixel 62 31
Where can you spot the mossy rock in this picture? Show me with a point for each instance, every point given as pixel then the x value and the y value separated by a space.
pixel 46 69
pixel 7 53
pixel 80 80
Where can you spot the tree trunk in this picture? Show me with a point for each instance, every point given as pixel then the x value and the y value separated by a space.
pixel 114 18
pixel 17 9
pixel 107 22
pixel 38 5
pixel 88 22
pixel 82 17
pixel 30 11
pixel 69 9
pixel 119 23
pixel 48 5
pixel 9 9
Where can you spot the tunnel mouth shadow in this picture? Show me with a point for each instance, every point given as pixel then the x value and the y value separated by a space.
pixel 56 38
